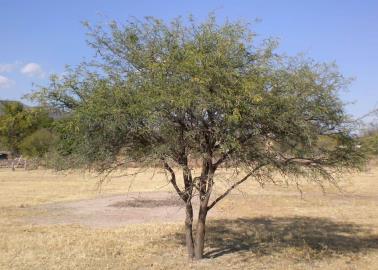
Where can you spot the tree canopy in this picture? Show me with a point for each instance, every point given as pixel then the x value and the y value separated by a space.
pixel 166 93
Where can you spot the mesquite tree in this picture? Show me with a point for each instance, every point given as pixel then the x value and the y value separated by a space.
pixel 169 93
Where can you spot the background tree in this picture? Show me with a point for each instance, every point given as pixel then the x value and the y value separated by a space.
pixel 18 122
pixel 38 143
pixel 369 138
pixel 167 93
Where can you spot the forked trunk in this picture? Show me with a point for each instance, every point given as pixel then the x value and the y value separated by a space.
pixel 201 231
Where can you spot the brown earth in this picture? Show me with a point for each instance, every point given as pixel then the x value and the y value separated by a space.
pixel 112 211
pixel 56 221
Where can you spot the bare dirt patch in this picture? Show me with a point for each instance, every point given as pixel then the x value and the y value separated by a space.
pixel 143 203
pixel 113 211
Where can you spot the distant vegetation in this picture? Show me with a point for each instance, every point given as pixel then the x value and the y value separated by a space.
pixel 25 131
pixel 369 139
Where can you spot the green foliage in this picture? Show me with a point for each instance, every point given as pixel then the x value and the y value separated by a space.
pixel 39 143
pixel 18 122
pixel 369 137
pixel 370 142
pixel 172 90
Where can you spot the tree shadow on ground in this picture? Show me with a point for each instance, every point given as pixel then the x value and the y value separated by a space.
pixel 264 236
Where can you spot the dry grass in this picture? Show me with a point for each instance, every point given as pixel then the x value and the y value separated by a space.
pixel 270 228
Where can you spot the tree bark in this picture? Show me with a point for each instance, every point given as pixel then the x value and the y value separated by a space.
pixel 188 207
pixel 189 230
pixel 205 189
pixel 201 231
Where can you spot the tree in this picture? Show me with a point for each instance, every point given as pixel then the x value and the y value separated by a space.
pixel 38 143
pixel 369 138
pixel 18 122
pixel 169 93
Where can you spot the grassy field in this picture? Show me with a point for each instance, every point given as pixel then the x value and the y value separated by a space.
pixel 270 228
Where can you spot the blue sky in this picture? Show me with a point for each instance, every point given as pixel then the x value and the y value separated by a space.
pixel 38 37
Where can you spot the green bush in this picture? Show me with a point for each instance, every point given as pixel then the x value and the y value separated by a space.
pixel 17 122
pixel 370 142
pixel 38 143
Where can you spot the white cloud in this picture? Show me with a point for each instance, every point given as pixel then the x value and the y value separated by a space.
pixel 5 82
pixel 32 70
pixel 7 67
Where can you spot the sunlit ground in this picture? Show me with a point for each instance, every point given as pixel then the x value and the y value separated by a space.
pixel 254 228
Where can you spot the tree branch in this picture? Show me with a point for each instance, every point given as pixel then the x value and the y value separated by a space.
pixel 173 181
pixel 229 152
pixel 234 186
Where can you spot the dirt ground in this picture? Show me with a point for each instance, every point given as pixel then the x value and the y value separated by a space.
pixel 56 221
pixel 113 211
pixel 147 207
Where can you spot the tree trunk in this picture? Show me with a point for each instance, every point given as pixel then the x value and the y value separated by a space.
pixel 189 230
pixel 189 208
pixel 201 231
pixel 205 188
